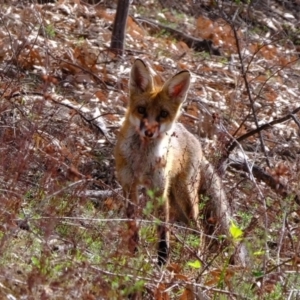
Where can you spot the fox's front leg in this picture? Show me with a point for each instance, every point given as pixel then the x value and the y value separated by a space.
pixel 162 229
pixel 163 244
pixel 131 195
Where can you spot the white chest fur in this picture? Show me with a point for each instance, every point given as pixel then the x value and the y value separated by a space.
pixel 147 159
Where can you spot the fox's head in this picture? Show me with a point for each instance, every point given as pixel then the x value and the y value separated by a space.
pixel 153 109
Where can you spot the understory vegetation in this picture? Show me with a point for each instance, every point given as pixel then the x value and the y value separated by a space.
pixel 63 94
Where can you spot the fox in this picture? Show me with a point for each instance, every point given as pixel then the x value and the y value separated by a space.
pixel 155 151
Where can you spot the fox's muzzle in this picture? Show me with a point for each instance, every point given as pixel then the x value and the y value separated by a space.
pixel 149 129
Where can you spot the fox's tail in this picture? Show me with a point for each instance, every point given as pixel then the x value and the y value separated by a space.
pixel 219 209
pixel 212 185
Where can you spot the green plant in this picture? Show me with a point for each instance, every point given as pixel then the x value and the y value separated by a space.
pixel 50 31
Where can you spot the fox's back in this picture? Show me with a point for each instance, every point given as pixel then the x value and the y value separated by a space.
pixel 185 144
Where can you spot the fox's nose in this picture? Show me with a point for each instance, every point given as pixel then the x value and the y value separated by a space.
pixel 148 133
pixel 149 129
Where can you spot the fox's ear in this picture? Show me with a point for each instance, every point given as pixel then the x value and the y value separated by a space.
pixel 140 77
pixel 178 86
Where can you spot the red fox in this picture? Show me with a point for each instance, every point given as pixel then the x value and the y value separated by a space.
pixel 156 152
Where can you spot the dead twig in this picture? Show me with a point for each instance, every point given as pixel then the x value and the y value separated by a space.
pixel 265 126
pixel 95 121
pixel 81 68
pixel 244 75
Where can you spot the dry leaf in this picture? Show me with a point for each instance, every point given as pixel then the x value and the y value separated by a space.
pixel 160 294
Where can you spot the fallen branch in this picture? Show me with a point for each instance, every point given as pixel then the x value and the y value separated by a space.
pixel 255 171
pixel 95 118
pixel 268 179
pixel 234 143
pixel 60 60
pixel 195 43
pixel 100 195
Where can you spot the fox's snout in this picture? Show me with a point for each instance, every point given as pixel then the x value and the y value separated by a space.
pixel 149 129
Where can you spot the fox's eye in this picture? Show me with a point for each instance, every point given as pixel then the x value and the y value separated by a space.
pixel 163 114
pixel 141 110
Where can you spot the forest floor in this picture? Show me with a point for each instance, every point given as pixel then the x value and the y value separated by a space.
pixel 63 96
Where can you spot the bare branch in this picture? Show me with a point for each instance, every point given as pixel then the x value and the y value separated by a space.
pixel 265 126
pixel 244 75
